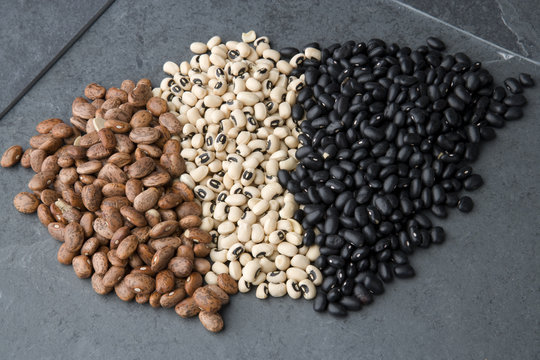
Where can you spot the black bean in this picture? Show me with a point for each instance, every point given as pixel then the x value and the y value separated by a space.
pixel 437 235
pixel 404 271
pixel 363 294
pixel 337 309
pixel 473 182
pixel 436 43
pixel 373 283
pixel 465 204
pixel 526 80
pixel 513 85
pixel 320 303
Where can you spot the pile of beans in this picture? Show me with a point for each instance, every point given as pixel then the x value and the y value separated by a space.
pixel 235 102
pixel 387 137
pixel 313 174
pixel 107 187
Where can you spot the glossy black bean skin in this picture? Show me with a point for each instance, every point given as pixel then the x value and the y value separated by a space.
pixel 465 204
pixel 404 271
pixel 320 303
pixel 387 137
pixel 337 309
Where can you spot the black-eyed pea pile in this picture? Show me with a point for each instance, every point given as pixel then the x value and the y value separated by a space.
pixel 235 101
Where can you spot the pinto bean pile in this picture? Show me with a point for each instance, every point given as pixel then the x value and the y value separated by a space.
pixel 107 187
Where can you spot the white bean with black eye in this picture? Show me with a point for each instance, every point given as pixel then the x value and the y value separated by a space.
pixel 293 290
pixel 262 291
pixel 235 251
pixel 308 289
pixel 276 277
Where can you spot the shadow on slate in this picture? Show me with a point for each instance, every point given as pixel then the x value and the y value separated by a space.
pixel 474 297
pixel 507 23
pixel 33 34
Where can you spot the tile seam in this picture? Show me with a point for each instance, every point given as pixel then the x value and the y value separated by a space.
pixel 56 58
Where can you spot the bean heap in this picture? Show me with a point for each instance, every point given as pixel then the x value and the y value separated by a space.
pixel 107 187
pixel 291 170
pixel 387 137
pixel 235 103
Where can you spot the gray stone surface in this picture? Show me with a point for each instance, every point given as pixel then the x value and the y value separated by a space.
pixel 512 24
pixel 32 33
pixel 475 297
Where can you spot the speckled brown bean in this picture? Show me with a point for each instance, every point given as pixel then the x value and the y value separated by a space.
pixel 97 285
pixel 123 291
pixel 100 263
pixel 227 283
pixel 188 208
pixel 113 275
pixel 187 308
pixel 11 156
pixel 211 321
pixel 73 237
pixel 44 215
pixel 65 256
pixel 181 266
pixel 127 247
pixel 154 300
pixel 142 298
pixel 164 281
pixel 206 299
pixel 219 293
pixel 172 298
pixel 201 265
pixel 56 230
pixel 193 282
pixel 82 266
pixel 90 246
pixel 140 283
pixel 94 91
pixel 156 106
pixel 25 202
pixel 161 258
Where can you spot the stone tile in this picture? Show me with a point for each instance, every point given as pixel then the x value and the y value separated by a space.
pixel 33 32
pixel 475 297
pixel 512 24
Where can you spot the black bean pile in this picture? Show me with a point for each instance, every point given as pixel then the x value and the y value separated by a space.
pixel 388 134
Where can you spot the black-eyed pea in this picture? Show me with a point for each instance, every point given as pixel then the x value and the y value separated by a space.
pixel 300 261
pixel 297 228
pixel 236 199
pixel 293 290
pixel 277 290
pixel 245 258
pixel 244 231
pixel 313 253
pixel 287 211
pixel 204 193
pixel 235 270
pixel 220 211
pixel 262 291
pixel 294 238
pixel 213 42
pixel 267 264
pixel 249 246
pixel 226 227
pixel 226 242
pixel 296 274
pixel 262 249
pixel 257 233
pixel 308 289
pixel 210 278
pixel 186 179
pixel 287 249
pixel 276 237
pixel 303 250
pixel 235 251
pixel 276 277
pixel 251 270
pixel 220 268
pixel 207 224
pixel 260 278
pixel 285 225
pixel 218 255
pixel 288 164
pixel 314 274
pixel 243 285
pixel 235 214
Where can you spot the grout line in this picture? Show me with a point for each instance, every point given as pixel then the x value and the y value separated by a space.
pixel 509 52
pixel 51 63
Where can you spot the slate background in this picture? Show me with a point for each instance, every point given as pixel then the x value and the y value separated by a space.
pixel 475 297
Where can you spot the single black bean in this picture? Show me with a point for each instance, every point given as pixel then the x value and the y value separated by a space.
pixel 465 204
pixel 404 271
